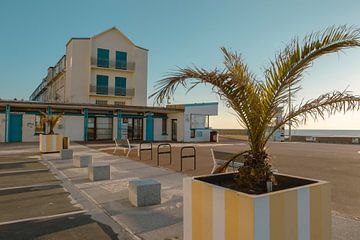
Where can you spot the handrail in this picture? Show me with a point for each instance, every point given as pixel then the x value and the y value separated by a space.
pixel 112 91
pixel 106 63
pixel 163 152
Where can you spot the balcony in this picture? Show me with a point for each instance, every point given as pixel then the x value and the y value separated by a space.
pixel 112 91
pixel 119 65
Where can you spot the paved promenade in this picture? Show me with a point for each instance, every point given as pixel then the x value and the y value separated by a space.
pixel 104 206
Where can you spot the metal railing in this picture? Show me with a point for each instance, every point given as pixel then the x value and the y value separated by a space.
pixel 106 63
pixel 112 91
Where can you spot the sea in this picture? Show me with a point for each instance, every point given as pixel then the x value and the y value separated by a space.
pixel 323 133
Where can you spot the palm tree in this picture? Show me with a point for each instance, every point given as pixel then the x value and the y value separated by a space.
pixel 256 102
pixel 49 120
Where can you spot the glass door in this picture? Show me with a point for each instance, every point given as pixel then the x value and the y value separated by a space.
pixel 91 128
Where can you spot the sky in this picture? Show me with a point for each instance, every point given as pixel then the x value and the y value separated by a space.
pixel 182 33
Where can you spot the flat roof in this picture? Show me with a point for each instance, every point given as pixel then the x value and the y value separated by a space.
pixel 89 106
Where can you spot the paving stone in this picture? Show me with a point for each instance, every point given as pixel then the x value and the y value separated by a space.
pixel 82 161
pixel 66 154
pixel 98 172
pixel 144 192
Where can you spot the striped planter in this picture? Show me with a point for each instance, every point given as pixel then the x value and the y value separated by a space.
pixel 50 143
pixel 213 212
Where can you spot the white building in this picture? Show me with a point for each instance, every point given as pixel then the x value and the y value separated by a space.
pixel 107 68
pixel 100 88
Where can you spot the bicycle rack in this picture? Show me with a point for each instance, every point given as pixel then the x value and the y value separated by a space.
pixel 182 156
pixel 163 152
pixel 146 149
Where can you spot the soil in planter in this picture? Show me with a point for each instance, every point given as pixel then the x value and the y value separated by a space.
pixel 227 181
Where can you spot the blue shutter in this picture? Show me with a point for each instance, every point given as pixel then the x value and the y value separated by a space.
pixel 103 57
pixel 120 86
pixel 121 60
pixel 102 84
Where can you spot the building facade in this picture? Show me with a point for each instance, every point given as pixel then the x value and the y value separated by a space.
pixel 107 68
pixel 100 88
pixel 19 121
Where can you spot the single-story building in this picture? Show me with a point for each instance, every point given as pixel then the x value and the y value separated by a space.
pixel 19 121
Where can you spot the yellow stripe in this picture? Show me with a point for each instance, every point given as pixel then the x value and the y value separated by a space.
pixel 283 216
pixel 276 203
pixel 48 146
pixel 59 142
pixel 202 211
pixel 320 212
pixel 290 215
pixel 239 216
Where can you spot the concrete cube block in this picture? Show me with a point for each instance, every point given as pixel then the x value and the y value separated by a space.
pixel 98 172
pixel 82 161
pixel 144 192
pixel 66 154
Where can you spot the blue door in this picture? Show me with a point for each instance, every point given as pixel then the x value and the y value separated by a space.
pixel 15 128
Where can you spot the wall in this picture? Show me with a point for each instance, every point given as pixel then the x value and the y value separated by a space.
pixel 158 136
pixel 77 79
pixel 73 127
pixel 28 129
pixel 114 40
pixel 201 135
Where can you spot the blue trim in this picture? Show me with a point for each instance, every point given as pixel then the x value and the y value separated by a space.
pixel 7 122
pixel 200 104
pixel 132 116
pixel 49 111
pixel 149 127
pixel 119 121
pixel 86 116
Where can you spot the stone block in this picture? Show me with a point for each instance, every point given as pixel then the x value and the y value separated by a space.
pixel 66 154
pixel 98 172
pixel 82 161
pixel 144 192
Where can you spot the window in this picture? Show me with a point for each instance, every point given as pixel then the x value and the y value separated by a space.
pixel 199 121
pixel 121 60
pixel 120 86
pixel 118 103
pixel 164 126
pixel 192 133
pixel 101 102
pixel 102 84
pixel 103 57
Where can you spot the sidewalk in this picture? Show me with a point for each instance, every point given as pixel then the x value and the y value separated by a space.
pixel 160 222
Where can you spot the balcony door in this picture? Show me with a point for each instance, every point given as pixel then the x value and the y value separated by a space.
pixel 102 84
pixel 120 86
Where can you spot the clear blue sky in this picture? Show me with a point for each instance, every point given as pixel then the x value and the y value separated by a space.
pixel 33 35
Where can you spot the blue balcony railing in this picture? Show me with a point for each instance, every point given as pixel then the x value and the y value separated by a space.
pixel 106 63
pixel 111 91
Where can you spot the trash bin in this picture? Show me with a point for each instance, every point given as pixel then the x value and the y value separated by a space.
pixel 213 136
pixel 65 143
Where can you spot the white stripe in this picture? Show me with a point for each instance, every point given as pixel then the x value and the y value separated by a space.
pixel 303 209
pixel 261 218
pixel 54 142
pixel 187 199
pixel 43 217
pixel 218 214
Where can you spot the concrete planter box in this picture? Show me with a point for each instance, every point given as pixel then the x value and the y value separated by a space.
pixel 215 212
pixel 50 143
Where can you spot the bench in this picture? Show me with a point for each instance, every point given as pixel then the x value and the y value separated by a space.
pixel 124 144
pixel 219 158
pixel 144 192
